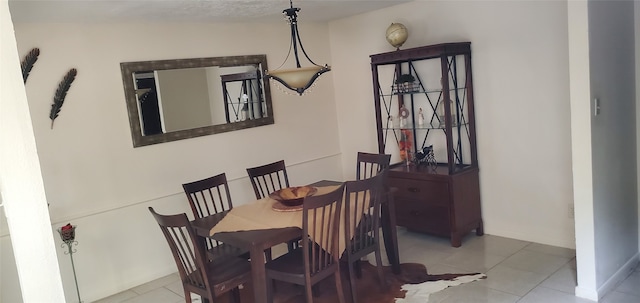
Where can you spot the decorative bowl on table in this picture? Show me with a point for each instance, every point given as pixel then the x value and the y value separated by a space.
pixel 293 196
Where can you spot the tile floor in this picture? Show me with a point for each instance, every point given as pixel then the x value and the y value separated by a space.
pixel 517 271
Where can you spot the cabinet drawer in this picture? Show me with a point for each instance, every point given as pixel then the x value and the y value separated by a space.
pixel 429 192
pixel 420 216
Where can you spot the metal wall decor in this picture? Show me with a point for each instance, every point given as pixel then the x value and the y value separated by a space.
pixel 27 63
pixel 61 93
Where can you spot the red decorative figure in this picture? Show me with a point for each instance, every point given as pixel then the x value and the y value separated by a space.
pixel 406 145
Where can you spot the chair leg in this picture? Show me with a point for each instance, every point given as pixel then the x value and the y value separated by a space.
pixel 235 295
pixel 381 278
pixel 187 296
pixel 267 254
pixel 352 282
pixel 339 288
pixel 270 286
pixel 308 292
pixel 358 269
pixel 291 246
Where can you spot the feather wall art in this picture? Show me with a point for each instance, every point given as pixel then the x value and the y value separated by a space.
pixel 28 61
pixel 61 93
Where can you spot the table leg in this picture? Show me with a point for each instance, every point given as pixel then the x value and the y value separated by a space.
pixel 258 275
pixel 390 234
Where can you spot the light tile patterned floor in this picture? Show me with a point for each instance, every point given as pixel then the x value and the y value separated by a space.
pixel 517 271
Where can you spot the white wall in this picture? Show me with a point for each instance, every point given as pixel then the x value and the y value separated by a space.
pixel 95 179
pixel 604 144
pixel 521 79
pixel 612 79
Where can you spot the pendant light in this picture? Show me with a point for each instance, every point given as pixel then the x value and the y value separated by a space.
pixel 298 79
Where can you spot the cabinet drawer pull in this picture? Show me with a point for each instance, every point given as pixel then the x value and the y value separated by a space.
pixel 414 189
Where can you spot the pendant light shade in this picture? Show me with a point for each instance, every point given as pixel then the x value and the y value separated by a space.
pixel 298 79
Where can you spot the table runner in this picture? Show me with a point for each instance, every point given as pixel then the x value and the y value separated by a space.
pixel 259 215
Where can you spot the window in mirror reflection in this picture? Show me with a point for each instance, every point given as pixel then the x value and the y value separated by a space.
pixel 181 99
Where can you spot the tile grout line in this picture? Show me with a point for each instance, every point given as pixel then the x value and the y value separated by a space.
pixel 553 273
pixel 511 255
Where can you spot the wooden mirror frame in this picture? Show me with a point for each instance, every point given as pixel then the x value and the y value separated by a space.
pixel 128 68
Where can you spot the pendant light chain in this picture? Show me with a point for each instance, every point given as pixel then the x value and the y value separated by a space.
pixel 301 78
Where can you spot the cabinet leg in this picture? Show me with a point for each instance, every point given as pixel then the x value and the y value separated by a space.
pixel 480 229
pixel 456 240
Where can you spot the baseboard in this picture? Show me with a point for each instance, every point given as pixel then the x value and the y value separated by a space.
pixel 546 239
pixel 618 277
pixel 611 283
pixel 589 294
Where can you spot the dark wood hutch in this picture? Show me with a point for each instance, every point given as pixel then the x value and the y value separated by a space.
pixel 424 97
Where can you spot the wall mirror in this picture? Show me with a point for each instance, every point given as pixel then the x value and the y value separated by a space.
pixel 170 100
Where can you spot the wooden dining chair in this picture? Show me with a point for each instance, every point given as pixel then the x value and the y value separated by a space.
pixel 208 197
pixel 362 225
pixel 268 178
pixel 370 164
pixel 318 256
pixel 207 279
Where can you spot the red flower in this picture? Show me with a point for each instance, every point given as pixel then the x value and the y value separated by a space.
pixel 68 232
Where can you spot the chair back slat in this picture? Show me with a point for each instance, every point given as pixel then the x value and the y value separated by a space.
pixel 207 197
pixel 362 213
pixel 371 164
pixel 188 252
pixel 320 224
pixel 268 178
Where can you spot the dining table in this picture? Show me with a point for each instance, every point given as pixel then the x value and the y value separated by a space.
pixel 257 240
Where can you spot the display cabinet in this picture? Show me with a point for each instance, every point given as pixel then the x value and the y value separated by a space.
pixel 425 120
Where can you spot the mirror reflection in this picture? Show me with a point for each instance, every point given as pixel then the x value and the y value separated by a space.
pixel 178 99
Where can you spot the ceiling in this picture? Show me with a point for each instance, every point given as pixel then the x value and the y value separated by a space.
pixel 95 11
